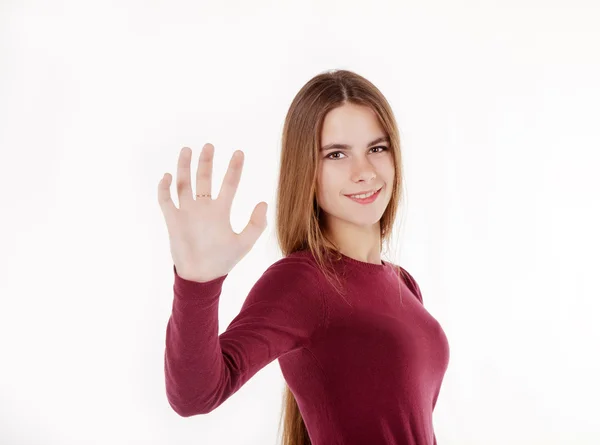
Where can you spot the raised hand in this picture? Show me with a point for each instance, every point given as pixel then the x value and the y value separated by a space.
pixel 203 243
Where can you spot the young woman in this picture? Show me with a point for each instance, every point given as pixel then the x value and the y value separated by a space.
pixel 362 358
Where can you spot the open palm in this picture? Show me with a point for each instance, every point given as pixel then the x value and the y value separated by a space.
pixel 203 243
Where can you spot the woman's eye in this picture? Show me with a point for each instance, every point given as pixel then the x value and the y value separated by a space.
pixel 330 155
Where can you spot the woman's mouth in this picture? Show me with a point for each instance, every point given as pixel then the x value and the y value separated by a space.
pixel 366 200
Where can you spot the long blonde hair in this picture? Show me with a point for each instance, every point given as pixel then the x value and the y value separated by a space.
pixel 298 217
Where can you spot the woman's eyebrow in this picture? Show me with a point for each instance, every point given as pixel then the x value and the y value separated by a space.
pixel 348 147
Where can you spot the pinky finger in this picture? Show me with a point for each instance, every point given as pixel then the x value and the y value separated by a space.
pixel 164 195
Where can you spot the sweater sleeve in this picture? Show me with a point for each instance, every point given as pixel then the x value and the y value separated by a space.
pixel 283 309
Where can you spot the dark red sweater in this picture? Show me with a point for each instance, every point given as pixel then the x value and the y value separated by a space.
pixel 365 371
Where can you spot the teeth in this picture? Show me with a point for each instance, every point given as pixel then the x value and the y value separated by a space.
pixel 366 195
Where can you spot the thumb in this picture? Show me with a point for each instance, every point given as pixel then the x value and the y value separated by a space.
pixel 255 227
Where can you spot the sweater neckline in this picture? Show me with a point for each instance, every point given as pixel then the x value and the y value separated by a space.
pixel 362 266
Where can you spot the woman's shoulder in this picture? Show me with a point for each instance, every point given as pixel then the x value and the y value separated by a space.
pixel 301 260
pixel 295 270
pixel 409 280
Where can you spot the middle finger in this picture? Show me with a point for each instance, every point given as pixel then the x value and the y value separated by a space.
pixel 204 172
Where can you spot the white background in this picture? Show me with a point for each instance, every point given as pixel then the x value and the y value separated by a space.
pixel 498 107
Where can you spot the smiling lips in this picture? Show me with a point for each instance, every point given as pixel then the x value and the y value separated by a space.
pixel 363 193
pixel 367 200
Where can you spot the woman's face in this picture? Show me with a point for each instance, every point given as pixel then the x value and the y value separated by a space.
pixel 361 167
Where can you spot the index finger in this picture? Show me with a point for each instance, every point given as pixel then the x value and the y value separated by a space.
pixel 232 178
